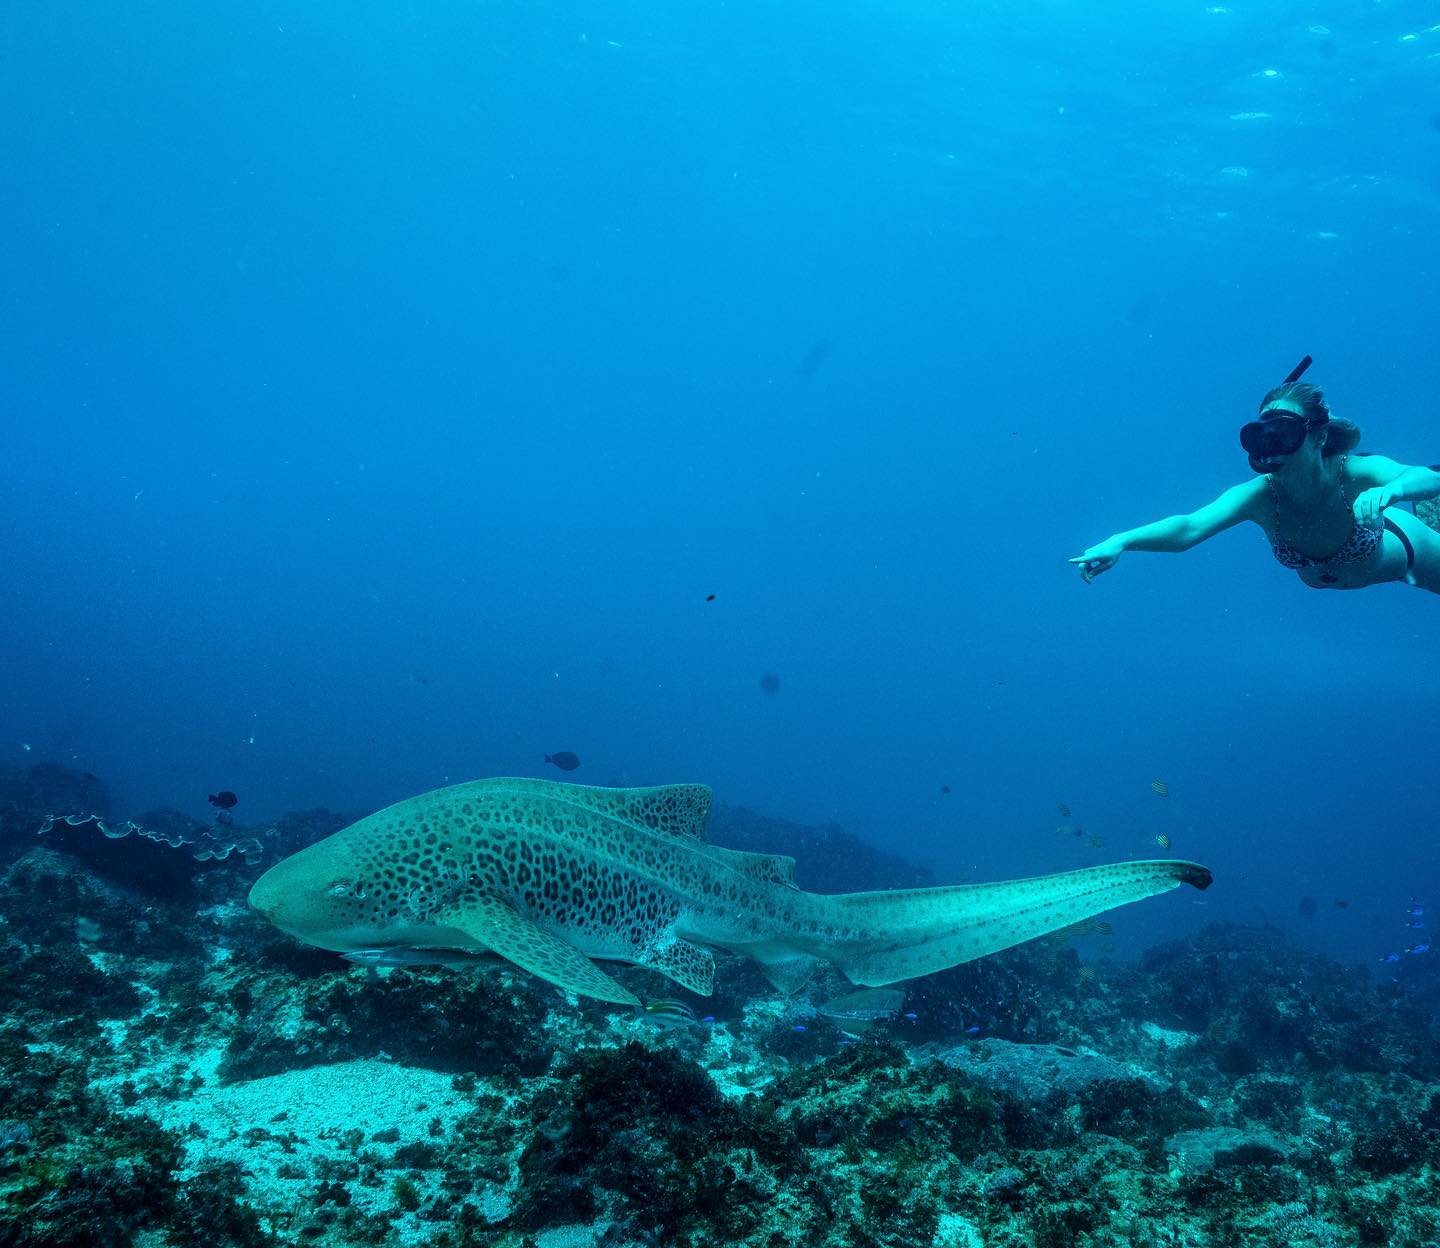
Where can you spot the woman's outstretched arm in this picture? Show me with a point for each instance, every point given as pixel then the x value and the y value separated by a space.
pixel 1174 533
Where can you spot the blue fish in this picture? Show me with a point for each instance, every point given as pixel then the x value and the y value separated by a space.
pixel 1416 923
pixel 971 1031
pixel 1423 947
pixel 1391 957
pixel 799 1027
pixel 1416 909
pixel 912 1016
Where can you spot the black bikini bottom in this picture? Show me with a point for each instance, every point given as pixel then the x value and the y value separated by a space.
pixel 1405 542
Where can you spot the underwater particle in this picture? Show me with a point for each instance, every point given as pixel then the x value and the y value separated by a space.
pixel 1318 30
pixel 1234 171
pixel 224 800
pixel 769 683
pixel 564 760
pixel 1307 907
pixel 1063 809
pixel 1342 903
pixel 709 597
pixel 1162 840
pixel 1160 787
pixel 944 788
pixel 1250 116
pixel 1435 121
pixel 1107 946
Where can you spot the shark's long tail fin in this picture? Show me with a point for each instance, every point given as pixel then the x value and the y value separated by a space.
pixel 882 937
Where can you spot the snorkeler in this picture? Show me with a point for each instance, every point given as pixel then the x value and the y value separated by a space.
pixel 1329 514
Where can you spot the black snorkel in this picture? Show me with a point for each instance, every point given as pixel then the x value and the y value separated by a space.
pixel 1254 434
pixel 1298 371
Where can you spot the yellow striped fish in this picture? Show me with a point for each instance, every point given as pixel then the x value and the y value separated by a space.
pixel 1160 787
pixel 1162 840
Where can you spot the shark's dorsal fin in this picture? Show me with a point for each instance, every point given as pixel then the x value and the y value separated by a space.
pixel 762 868
pixel 680 810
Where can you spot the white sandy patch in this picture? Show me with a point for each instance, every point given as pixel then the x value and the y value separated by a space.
pixel 283 1130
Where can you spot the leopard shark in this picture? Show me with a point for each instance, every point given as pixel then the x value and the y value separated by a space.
pixel 557 878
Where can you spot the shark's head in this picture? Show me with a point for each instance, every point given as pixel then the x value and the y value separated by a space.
pixel 322 896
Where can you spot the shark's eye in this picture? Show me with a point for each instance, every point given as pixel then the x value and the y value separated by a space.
pixel 339 889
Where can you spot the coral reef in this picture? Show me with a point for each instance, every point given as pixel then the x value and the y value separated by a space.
pixel 175 1073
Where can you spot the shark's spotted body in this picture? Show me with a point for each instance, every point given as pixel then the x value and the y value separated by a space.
pixel 550 876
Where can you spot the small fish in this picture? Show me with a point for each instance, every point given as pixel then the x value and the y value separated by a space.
pixel 1085 974
pixel 1422 947
pixel 769 683
pixel 973 1030
pixel 709 597
pixel 1088 927
pixel 406 955
pixel 944 788
pixel 910 1016
pixel 564 760
pixel 669 1014
pixel 1069 829
pixel 1416 923
pixel 223 799
pixel 1064 810
pixel 1307 907
pixel 1162 840
pixel 799 1027
pixel 866 1007
pixel 709 1018
pixel 1391 957
pixel 1096 842
pixel 1416 909
pixel 1160 787
pixel 1107 946
pixel 1342 903
pixel 814 358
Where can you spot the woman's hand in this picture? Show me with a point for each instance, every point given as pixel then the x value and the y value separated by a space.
pixel 1370 503
pixel 1101 558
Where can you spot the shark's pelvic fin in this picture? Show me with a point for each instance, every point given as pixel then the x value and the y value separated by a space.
pixel 497 926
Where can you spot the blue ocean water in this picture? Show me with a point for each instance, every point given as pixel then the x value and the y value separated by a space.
pixel 388 388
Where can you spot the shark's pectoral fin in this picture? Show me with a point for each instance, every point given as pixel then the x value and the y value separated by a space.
pixel 690 966
pixel 498 926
